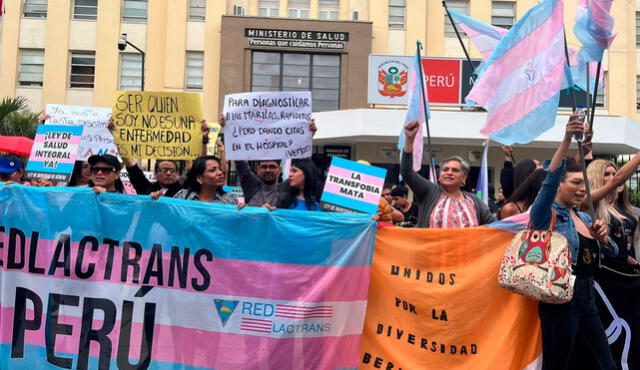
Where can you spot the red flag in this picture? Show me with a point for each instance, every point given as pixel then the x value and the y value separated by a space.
pixel 1 8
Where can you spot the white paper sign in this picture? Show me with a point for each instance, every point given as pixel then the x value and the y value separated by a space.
pixel 267 125
pixel 96 138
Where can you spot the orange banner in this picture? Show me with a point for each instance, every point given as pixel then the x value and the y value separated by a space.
pixel 434 303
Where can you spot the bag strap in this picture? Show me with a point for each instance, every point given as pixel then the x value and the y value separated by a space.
pixel 552 225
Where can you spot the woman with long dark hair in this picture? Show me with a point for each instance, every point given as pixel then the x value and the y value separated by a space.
pixel 562 191
pixel 304 191
pixel 204 183
pixel 524 195
pixel 81 175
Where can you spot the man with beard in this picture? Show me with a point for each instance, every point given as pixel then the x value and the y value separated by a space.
pixel 262 186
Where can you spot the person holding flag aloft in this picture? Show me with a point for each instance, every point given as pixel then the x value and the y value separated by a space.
pixel 562 191
pixel 445 205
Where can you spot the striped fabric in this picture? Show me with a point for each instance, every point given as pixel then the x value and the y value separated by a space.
pixel 485 37
pixel 594 29
pixel 415 112
pixel 519 84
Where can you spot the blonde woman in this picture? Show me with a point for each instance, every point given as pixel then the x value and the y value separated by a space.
pixel 618 217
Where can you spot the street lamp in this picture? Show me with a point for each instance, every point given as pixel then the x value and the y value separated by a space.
pixel 122 44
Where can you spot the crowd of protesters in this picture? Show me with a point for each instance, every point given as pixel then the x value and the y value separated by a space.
pixel 556 189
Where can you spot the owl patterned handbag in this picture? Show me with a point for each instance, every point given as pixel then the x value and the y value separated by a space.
pixel 537 264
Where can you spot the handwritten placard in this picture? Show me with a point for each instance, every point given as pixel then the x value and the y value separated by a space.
pixel 352 187
pixel 267 125
pixel 158 125
pixel 54 152
pixel 213 138
pixel 96 138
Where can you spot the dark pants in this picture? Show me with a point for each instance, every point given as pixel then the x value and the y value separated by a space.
pixel 562 323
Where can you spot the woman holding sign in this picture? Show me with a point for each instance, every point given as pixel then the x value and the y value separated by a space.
pixel 204 183
pixel 444 205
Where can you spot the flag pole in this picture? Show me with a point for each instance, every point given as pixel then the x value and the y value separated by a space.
pixel 464 48
pixel 566 54
pixel 588 105
pixel 595 94
pixel 432 162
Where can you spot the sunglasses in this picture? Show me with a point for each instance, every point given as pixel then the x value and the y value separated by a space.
pixel 166 170
pixel 105 170
pixel 268 166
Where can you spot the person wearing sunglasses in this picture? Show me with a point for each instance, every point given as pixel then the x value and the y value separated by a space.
pixel 105 174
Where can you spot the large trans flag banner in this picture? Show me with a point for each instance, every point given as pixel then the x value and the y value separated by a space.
pixel 117 281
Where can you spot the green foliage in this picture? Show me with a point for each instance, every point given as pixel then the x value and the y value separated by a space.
pixel 16 119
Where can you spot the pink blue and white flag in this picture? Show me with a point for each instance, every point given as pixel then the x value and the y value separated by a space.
pixel 594 28
pixel 520 83
pixel 416 111
pixel 121 281
pixel 484 36
pixel 482 186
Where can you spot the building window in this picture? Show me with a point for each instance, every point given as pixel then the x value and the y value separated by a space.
pixel 637 28
pixel 85 9
pixel 503 14
pixel 83 69
pixel 238 10
pixel 355 16
pixel 35 9
pixel 130 71
pixel 195 70
pixel 396 13
pixel 31 67
pixel 329 9
pixel 461 6
pixel 197 10
pixel 269 8
pixel 318 73
pixel 134 11
pixel 299 8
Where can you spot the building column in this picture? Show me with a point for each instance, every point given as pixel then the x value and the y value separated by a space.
pixel 212 39
pixel 107 54
pixel 56 53
pixel 10 48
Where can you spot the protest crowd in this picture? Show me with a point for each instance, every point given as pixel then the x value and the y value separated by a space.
pixel 553 192
pixel 573 207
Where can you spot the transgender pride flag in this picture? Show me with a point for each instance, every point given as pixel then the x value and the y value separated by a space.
pixel 484 36
pixel 415 112
pixel 119 281
pixel 520 83
pixel 594 28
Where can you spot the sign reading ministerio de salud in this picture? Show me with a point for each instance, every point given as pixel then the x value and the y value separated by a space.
pixel 296 39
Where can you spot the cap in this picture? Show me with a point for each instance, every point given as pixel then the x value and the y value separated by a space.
pixel 9 165
pixel 111 159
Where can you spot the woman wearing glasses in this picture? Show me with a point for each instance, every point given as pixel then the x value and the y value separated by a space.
pixel 105 174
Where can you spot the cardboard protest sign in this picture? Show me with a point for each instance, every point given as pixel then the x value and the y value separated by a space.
pixel 267 125
pixel 96 138
pixel 158 125
pixel 213 138
pixel 54 152
pixel 352 187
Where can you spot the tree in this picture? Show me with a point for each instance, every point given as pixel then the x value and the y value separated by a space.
pixel 16 119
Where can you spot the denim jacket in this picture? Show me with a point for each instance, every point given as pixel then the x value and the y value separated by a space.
pixel 540 215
